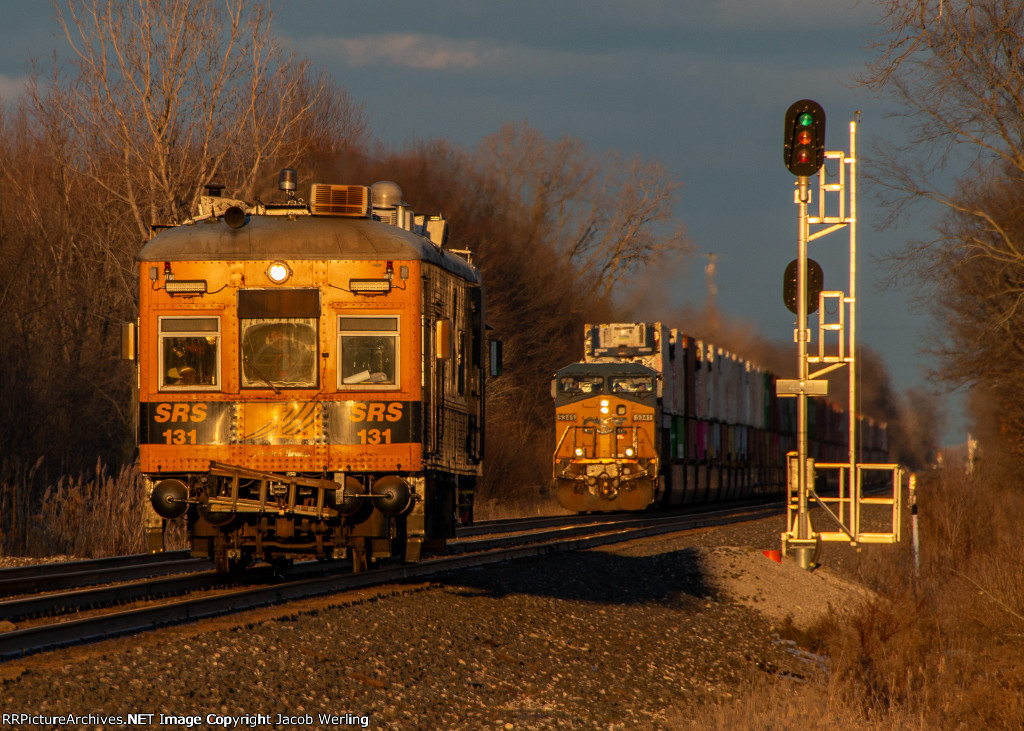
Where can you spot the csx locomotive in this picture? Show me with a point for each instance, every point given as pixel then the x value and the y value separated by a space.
pixel 607 452
pixel 310 377
pixel 655 418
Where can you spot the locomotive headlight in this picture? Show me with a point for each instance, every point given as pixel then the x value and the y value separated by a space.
pixel 278 272
pixel 604 406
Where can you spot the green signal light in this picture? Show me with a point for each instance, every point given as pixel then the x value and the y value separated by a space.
pixel 805 119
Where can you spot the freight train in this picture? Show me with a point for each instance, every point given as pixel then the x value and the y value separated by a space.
pixel 310 377
pixel 654 417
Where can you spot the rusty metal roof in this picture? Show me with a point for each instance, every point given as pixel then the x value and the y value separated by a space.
pixel 298 238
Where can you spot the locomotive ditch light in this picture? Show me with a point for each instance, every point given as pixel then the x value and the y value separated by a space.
pixel 278 272
pixel 629 451
pixel 580 452
pixel 369 286
pixel 185 287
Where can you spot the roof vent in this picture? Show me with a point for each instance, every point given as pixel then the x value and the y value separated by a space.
pixel 386 194
pixel 340 200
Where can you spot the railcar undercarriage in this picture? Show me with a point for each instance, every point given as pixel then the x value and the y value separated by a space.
pixel 237 516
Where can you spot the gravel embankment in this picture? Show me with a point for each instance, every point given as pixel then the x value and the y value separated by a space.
pixel 628 636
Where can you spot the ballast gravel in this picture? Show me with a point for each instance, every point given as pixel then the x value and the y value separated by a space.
pixel 623 637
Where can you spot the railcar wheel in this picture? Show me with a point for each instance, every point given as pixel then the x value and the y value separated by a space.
pixel 361 556
pixel 230 561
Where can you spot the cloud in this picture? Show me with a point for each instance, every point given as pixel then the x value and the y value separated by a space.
pixel 445 54
pixel 411 50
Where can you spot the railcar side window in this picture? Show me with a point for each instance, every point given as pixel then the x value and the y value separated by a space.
pixel 574 385
pixel 279 352
pixel 631 384
pixel 368 351
pixel 189 353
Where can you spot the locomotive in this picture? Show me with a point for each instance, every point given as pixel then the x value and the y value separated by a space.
pixel 310 377
pixel 607 452
pixel 655 418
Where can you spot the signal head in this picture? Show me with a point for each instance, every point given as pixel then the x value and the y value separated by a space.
pixel 804 140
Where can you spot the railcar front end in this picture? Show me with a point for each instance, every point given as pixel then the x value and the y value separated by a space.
pixel 310 379
pixel 606 458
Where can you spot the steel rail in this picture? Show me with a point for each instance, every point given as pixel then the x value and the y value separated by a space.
pixel 88 564
pixel 56 580
pixel 20 642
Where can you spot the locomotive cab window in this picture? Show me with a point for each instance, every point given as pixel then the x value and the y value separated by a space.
pixel 575 385
pixel 189 353
pixel 632 384
pixel 368 351
pixel 279 353
pixel 279 337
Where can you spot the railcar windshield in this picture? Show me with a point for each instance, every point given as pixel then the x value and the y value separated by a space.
pixel 575 385
pixel 279 353
pixel 631 384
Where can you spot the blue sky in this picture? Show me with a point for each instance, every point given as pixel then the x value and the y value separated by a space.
pixel 700 86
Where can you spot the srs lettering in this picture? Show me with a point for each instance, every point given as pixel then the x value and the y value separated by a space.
pixel 179 412
pixel 376 411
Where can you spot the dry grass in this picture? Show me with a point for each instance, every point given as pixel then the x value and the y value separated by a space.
pixel 943 645
pixel 89 516
pixel 786 705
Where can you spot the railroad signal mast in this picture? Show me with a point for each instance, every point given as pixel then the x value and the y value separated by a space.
pixel 805 155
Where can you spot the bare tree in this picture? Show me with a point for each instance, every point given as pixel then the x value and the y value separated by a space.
pixel 177 92
pixel 955 68
pixel 163 96
pixel 607 217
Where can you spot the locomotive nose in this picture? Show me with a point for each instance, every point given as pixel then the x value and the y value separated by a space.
pixel 170 499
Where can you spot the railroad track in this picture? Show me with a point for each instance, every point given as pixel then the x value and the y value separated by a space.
pixel 47 577
pixel 262 587
pixel 42 577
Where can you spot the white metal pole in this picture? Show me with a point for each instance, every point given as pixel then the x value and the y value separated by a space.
pixel 852 408
pixel 803 531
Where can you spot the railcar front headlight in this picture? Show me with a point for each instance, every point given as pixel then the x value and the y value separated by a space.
pixel 278 272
